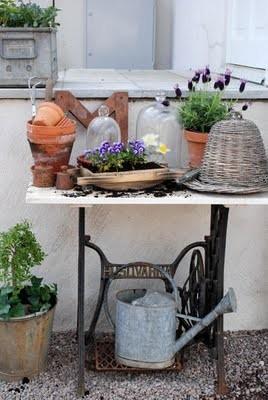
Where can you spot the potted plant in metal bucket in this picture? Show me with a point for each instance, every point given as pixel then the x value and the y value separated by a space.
pixel 202 109
pixel 27 42
pixel 26 305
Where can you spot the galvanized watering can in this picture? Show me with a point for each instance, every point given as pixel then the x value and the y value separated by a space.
pixel 145 326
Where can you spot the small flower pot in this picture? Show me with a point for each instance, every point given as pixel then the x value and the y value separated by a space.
pixel 51 145
pixel 196 146
pixel 43 176
pixel 48 114
pixel 64 180
pixel 24 345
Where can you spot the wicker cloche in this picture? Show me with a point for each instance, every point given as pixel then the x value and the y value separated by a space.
pixel 235 160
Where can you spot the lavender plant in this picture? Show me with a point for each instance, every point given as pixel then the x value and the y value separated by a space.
pixel 115 157
pixel 203 108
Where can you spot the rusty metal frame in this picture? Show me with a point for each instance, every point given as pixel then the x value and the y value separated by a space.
pixel 202 290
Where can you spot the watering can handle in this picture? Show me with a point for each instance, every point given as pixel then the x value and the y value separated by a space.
pixel 162 272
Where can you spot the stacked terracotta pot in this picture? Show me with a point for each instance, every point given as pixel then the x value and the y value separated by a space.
pixel 51 136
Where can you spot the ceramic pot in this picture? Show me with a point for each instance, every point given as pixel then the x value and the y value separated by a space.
pixel 48 131
pixel 51 145
pixel 64 180
pixel 48 114
pixel 43 176
pixel 196 146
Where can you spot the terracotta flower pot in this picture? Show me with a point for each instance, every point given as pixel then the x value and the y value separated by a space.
pixel 48 114
pixel 43 176
pixel 48 131
pixel 51 145
pixel 64 180
pixel 196 146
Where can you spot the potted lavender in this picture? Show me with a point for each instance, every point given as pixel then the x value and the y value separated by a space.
pixel 203 108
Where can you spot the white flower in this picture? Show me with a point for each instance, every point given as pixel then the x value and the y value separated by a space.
pixel 151 139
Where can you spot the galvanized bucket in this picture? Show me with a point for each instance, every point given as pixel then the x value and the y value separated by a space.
pixel 24 345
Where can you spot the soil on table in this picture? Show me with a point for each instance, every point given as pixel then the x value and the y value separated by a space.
pixel 166 189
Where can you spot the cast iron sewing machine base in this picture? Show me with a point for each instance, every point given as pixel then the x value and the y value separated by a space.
pixel 202 290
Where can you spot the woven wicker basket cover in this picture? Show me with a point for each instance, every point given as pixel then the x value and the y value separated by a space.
pixel 235 156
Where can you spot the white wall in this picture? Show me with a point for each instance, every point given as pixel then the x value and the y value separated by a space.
pixel 130 233
pixel 199 34
pixel 72 31
pixel 164 34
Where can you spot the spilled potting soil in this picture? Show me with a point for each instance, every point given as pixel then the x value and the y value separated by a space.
pixel 166 189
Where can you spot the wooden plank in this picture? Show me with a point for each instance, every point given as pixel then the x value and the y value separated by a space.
pixel 121 114
pixel 117 103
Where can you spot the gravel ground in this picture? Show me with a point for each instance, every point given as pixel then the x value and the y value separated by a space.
pixel 246 365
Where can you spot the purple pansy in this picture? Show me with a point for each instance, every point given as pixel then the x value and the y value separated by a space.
pixel 87 153
pixel 137 147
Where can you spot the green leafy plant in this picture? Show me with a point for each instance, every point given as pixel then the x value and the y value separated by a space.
pixel 204 107
pixel 20 14
pixel 202 110
pixel 21 293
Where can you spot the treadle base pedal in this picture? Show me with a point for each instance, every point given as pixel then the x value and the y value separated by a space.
pixel 103 358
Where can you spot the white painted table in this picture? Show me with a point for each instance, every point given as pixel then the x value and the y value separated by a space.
pixel 51 196
pixel 213 247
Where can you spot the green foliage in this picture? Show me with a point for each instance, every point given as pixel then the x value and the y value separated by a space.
pixel 202 109
pixel 19 14
pixel 19 252
pixel 124 160
pixel 31 299
pixel 21 293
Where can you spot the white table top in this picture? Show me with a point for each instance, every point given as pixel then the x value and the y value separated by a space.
pixel 52 196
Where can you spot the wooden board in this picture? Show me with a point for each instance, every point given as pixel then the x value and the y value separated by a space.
pixel 117 103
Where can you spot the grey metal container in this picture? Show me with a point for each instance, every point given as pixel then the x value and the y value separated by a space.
pixel 145 335
pixel 27 52
pixel 24 344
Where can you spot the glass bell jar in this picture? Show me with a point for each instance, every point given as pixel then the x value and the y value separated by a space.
pixel 102 129
pixel 157 125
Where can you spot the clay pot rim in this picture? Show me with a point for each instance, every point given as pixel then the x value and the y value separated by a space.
pixel 40 167
pixel 83 162
pixel 39 130
pixel 196 137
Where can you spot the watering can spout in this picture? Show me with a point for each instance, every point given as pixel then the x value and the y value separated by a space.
pixel 228 304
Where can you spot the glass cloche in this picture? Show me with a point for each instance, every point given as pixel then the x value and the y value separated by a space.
pixel 158 126
pixel 101 129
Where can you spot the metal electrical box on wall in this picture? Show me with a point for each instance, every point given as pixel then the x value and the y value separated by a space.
pixel 121 34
